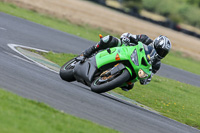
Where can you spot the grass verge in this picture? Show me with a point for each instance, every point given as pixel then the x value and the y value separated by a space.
pixel 175 59
pixel 173 99
pixel 181 61
pixel 83 31
pixel 20 115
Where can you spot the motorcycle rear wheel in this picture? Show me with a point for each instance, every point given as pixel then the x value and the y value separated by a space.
pixel 66 71
pixel 111 82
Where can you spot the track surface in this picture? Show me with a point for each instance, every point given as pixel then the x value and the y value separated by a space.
pixel 31 81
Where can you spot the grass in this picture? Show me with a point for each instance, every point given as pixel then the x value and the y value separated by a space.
pixel 173 99
pixel 83 31
pixel 20 115
pixel 174 58
pixel 181 61
pixel 60 58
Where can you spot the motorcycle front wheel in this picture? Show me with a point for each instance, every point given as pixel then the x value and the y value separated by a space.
pixel 107 83
pixel 66 71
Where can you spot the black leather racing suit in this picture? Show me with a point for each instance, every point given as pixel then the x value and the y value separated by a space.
pixel 110 41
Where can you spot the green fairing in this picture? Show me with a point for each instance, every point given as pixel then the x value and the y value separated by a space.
pixel 125 52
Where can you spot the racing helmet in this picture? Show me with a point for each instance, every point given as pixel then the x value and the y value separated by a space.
pixel 162 46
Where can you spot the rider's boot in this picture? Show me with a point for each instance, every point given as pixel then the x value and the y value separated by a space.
pixel 127 87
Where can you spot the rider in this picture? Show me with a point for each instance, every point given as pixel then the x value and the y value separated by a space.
pixel 157 49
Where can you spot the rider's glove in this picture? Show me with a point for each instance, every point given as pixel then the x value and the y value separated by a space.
pixel 125 40
pixel 127 87
pixel 80 58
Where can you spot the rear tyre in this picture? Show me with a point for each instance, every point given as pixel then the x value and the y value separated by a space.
pixel 104 84
pixel 66 71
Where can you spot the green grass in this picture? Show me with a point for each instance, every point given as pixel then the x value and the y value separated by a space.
pixel 60 58
pixel 20 115
pixel 173 99
pixel 175 59
pixel 83 31
pixel 181 61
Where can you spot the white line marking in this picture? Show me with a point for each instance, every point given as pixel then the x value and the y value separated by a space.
pixel 12 46
pixel 1 28
pixel 18 57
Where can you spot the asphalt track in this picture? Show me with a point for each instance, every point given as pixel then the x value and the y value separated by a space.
pixel 27 79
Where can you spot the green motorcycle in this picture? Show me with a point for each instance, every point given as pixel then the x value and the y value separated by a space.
pixel 110 68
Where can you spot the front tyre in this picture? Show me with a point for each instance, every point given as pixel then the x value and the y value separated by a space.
pixel 104 84
pixel 66 71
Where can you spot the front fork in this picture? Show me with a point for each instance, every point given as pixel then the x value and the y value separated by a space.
pixel 117 68
pixel 132 81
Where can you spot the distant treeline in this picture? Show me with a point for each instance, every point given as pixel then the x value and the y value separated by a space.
pixel 184 11
pixel 179 11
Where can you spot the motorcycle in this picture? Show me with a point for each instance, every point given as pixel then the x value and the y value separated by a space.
pixel 110 68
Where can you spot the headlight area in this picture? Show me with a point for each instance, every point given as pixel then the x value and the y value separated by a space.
pixel 142 74
pixel 134 57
